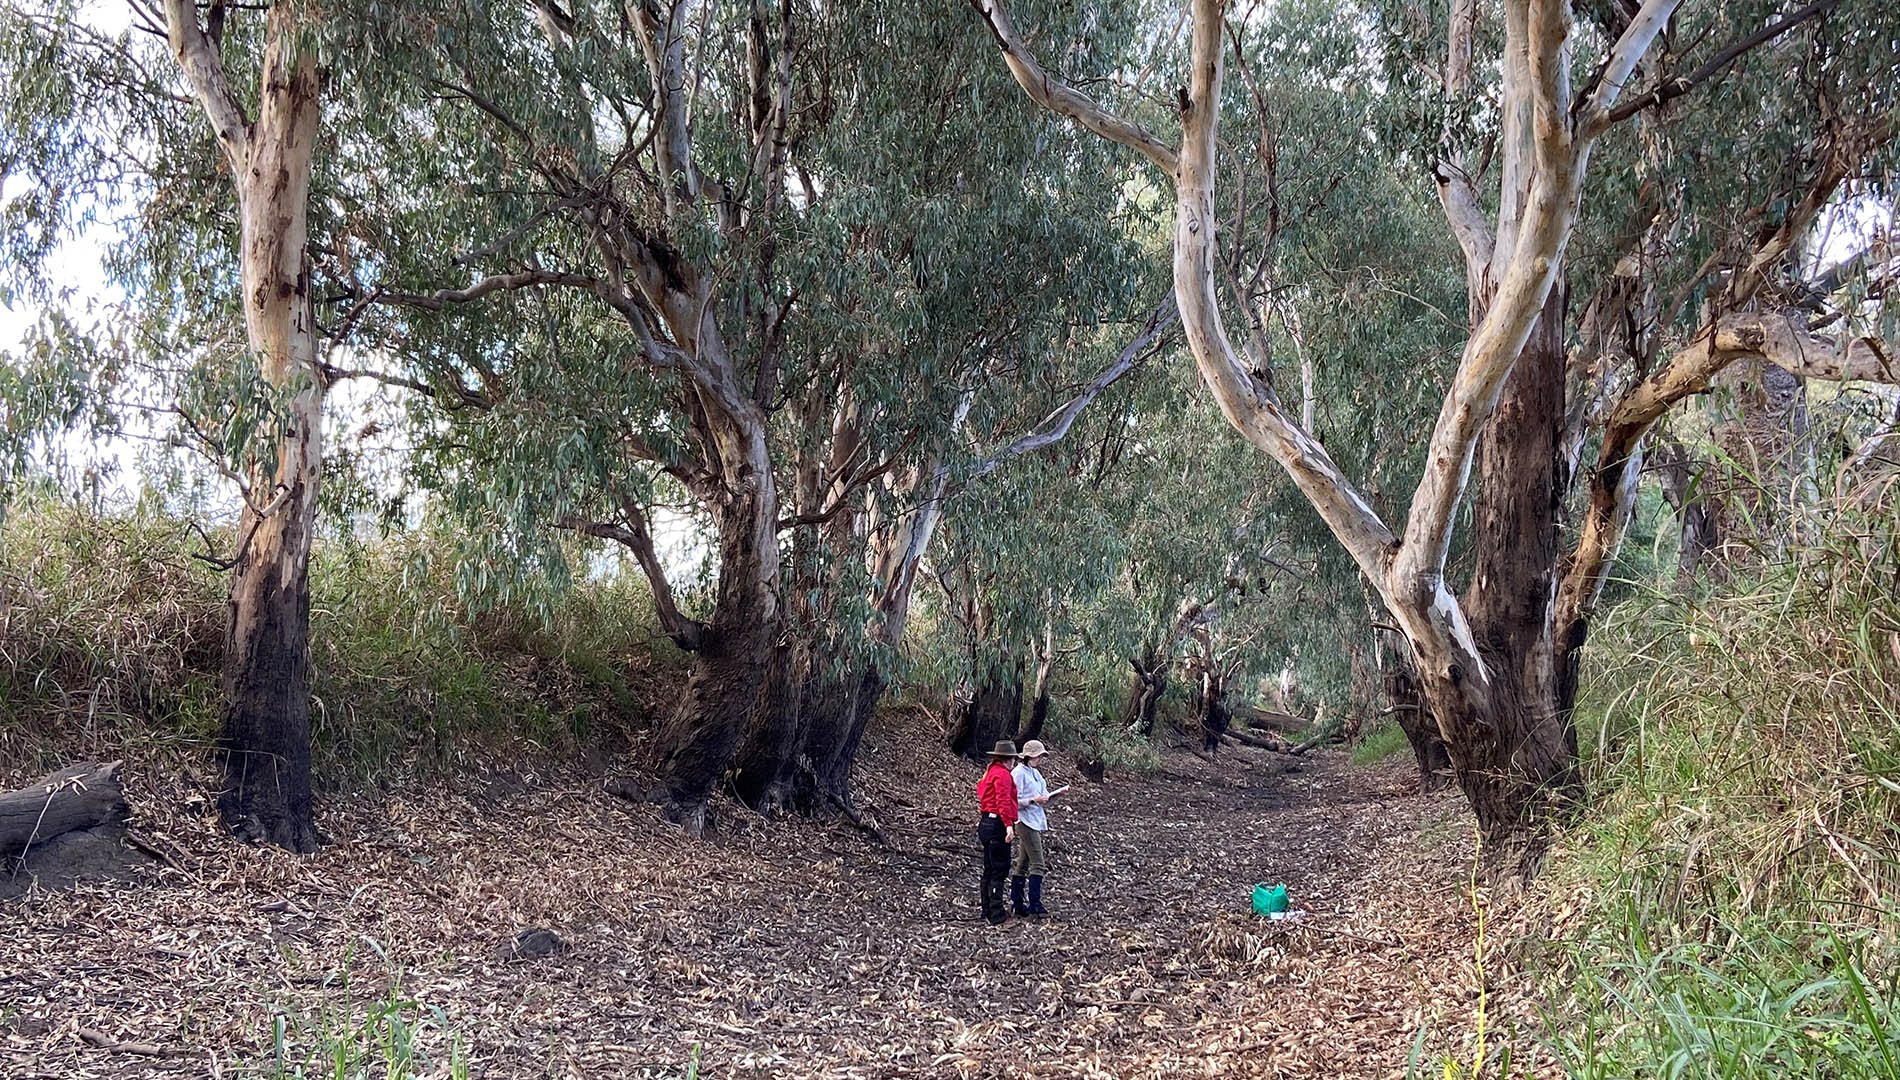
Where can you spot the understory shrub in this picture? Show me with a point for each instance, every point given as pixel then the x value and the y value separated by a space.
pixel 1734 893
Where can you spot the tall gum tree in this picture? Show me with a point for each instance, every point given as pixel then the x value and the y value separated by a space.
pixel 1491 665
pixel 642 270
pixel 266 665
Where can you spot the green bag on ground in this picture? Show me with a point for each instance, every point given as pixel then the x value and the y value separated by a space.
pixel 1267 901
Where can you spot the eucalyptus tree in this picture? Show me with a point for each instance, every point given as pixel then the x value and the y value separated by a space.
pixel 717 263
pixel 266 667
pixel 252 76
pixel 1496 666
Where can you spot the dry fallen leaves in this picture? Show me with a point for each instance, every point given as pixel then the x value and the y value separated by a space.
pixel 778 949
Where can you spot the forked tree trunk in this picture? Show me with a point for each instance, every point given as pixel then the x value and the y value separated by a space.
pixel 803 690
pixel 1215 719
pixel 1151 670
pixel 1504 714
pixel 1686 487
pixel 266 675
pixel 1045 650
pixel 1143 700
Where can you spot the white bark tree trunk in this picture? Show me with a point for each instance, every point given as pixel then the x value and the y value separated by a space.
pixel 266 739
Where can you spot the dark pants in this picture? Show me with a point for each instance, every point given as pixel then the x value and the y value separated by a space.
pixel 989 831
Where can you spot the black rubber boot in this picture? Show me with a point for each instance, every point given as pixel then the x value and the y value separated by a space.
pixel 993 910
pixel 1016 895
pixel 1035 895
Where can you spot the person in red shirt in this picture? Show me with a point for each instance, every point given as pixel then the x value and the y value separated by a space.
pixel 996 827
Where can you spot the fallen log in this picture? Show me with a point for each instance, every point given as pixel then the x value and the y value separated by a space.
pixel 1279 745
pixel 1275 743
pixel 64 828
pixel 1269 720
pixel 79 797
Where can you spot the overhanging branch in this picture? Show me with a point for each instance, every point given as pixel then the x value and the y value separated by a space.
pixel 443 299
pixel 1058 97
pixel 1675 88
pixel 688 633
pixel 1057 424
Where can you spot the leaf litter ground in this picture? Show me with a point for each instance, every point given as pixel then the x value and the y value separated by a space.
pixel 776 949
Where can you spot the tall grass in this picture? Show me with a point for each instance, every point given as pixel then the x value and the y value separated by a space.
pixel 111 631
pixel 1384 741
pixel 1739 873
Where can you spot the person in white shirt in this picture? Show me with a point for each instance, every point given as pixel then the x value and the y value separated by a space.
pixel 1032 793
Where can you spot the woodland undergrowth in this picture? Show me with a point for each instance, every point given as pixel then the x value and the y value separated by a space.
pixel 1730 903
pixel 111 625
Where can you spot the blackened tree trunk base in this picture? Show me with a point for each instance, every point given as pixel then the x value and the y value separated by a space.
pixel 722 693
pixel 1038 717
pixel 266 724
pixel 991 715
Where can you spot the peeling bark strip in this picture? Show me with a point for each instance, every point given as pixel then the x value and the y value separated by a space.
pixel 266 676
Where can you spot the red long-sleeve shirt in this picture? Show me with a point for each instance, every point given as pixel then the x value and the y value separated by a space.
pixel 996 793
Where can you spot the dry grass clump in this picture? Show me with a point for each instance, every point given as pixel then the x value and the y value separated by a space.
pixel 1750 740
pixel 107 628
pixel 111 633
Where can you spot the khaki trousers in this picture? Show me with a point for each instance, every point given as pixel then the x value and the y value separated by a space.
pixel 1029 852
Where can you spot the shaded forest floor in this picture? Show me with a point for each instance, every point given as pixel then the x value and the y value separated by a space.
pixel 777 949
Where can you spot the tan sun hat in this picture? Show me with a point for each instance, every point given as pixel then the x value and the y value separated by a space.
pixel 1034 749
pixel 1004 748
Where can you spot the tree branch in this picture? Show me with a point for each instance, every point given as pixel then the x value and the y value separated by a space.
pixel 443 299
pixel 1779 339
pixel 1056 425
pixel 472 398
pixel 688 633
pixel 1677 87
pixel 1522 292
pixel 1622 60
pixel 1058 97
pixel 1457 189
pixel 204 69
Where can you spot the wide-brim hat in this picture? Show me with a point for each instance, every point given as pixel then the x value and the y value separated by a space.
pixel 1004 748
pixel 1034 749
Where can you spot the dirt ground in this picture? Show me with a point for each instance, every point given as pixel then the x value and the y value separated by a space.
pixel 778 949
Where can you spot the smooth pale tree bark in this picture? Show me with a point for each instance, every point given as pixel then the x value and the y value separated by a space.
pixel 1480 709
pixel 266 668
